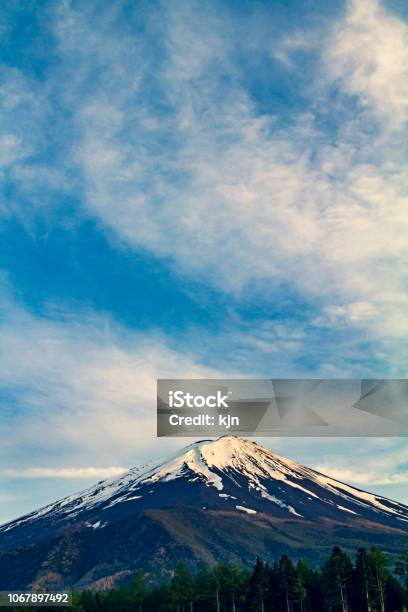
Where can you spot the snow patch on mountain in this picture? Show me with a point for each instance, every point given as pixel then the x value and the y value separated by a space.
pixel 345 509
pixel 247 510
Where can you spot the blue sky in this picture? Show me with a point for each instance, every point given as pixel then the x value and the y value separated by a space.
pixel 194 189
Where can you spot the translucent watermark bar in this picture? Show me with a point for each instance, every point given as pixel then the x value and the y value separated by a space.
pixel 282 407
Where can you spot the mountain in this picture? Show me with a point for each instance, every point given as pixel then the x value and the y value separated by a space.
pixel 228 499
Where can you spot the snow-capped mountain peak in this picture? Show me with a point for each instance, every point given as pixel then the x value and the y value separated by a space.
pixel 229 474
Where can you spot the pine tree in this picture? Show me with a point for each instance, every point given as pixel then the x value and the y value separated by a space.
pixel 287 582
pixel 337 576
pixel 302 571
pixel 362 578
pixel 139 589
pixel 395 596
pixel 159 598
pixel 204 587
pixel 88 601
pixel 257 590
pixel 182 588
pixel 216 587
pixel 311 581
pixel 76 602
pixel 231 588
pixel 401 569
pixel 378 564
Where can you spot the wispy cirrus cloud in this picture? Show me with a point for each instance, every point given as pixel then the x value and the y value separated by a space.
pixel 68 472
pixel 161 136
pixel 79 385
pixel 252 200
pixel 387 465
pixel 365 477
pixel 368 56
pixel 33 181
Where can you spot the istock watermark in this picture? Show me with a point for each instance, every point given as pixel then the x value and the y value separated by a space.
pixel 284 407
pixel 179 399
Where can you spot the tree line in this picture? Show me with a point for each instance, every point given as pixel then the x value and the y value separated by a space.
pixel 369 583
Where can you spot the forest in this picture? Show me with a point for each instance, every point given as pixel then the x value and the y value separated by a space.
pixel 367 583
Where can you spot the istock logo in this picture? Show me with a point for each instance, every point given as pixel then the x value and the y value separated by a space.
pixel 179 399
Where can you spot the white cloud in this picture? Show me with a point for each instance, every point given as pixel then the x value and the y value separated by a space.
pixel 285 50
pixel 6 498
pixel 379 461
pixel 25 114
pixel 70 472
pixel 246 201
pixel 17 101
pixel 226 193
pixel 79 386
pixel 369 56
pixel 355 312
pixel 366 478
